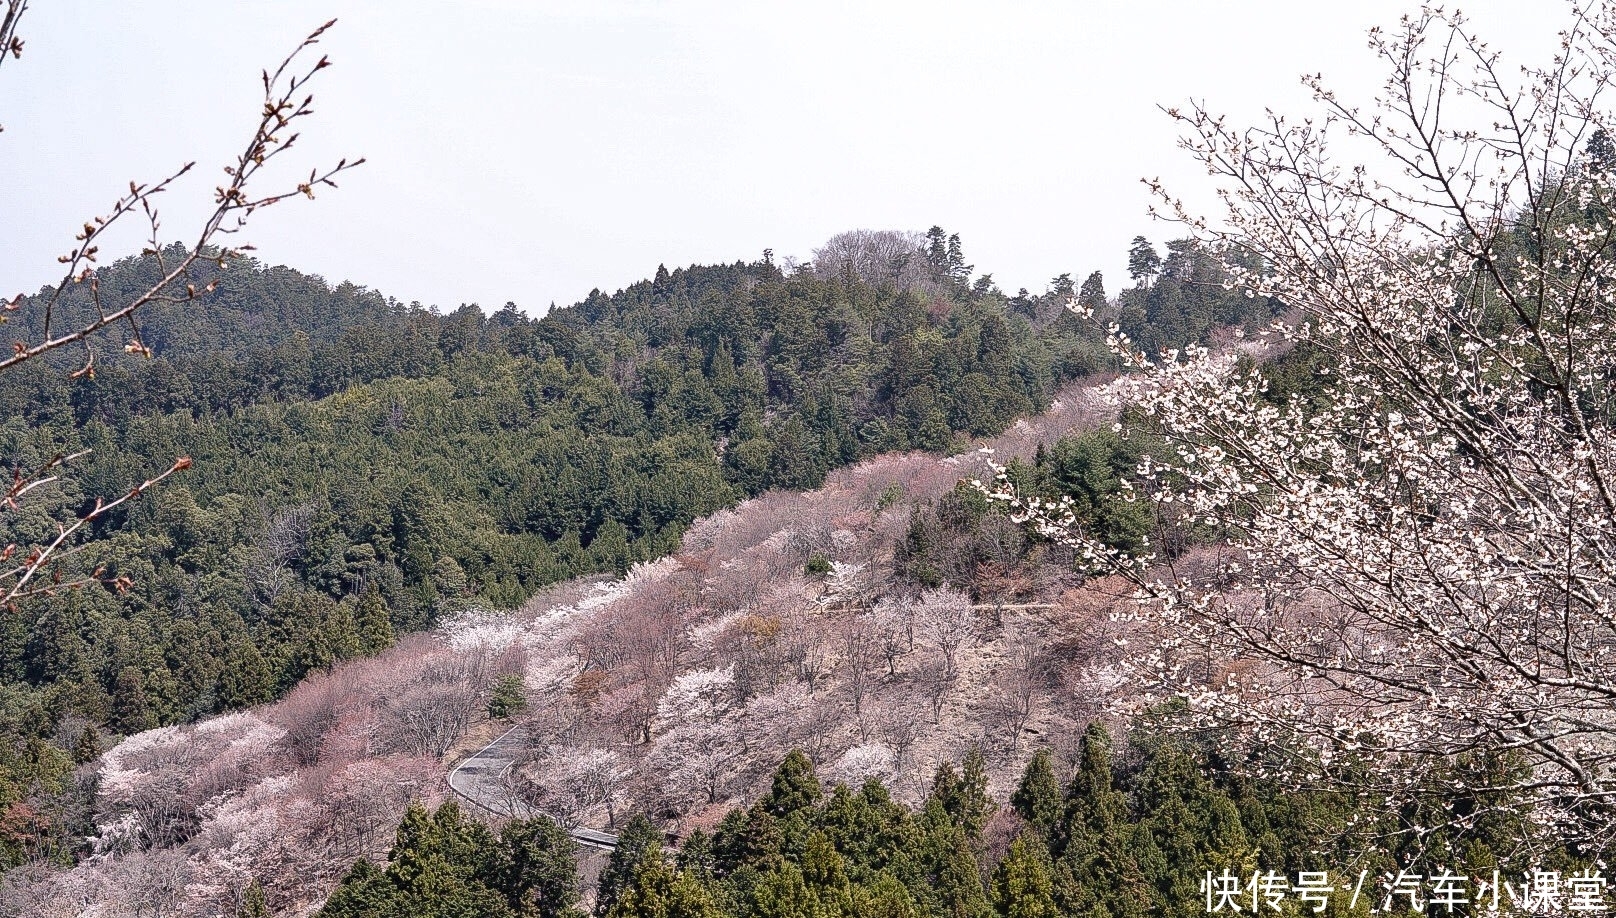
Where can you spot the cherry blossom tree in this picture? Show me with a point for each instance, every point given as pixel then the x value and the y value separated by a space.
pixel 575 782
pixel 894 622
pixel 1419 567
pixel 859 652
pixel 947 622
pixel 695 757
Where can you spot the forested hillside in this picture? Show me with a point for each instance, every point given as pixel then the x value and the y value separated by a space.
pixel 362 467
pixel 886 622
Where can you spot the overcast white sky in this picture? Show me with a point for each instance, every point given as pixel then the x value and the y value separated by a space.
pixel 531 151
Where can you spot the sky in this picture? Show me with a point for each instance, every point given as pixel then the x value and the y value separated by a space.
pixel 529 152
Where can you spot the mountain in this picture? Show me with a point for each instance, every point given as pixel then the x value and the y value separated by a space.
pixel 365 472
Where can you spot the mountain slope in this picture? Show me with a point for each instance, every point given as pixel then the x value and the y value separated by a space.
pixel 731 624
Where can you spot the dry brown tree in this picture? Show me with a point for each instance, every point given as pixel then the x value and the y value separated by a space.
pixel 39 567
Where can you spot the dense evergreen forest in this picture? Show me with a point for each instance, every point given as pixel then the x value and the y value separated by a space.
pixel 363 467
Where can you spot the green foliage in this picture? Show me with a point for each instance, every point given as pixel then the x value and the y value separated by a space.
pixel 535 867
pixel 818 566
pixel 1089 468
pixel 364 467
pixel 1022 887
pixel 253 904
pixel 446 866
pixel 638 845
pixel 1129 837
pixel 963 796
pixel 659 891
pixel 1181 300
pixel 1037 799
pixel 508 697
pixel 795 787
pixel 952 541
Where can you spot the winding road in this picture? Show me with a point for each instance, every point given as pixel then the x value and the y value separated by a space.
pixel 481 780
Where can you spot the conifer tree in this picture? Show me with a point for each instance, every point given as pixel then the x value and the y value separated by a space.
pixel 87 748
pixel 825 874
pixel 956 880
pixel 1037 798
pixel 659 891
pixel 1092 294
pixel 1143 261
pixel 963 795
pixel 784 893
pixel 884 897
pixel 1092 802
pixel 974 806
pixel 795 786
pixel 364 891
pixel 131 710
pixel 537 868
pixel 507 698
pixel 639 843
pixel 252 902
pixel 696 856
pixel 245 679
pixel 1022 887
pixel 374 622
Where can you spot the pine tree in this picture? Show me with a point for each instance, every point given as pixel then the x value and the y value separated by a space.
pixel 507 698
pixel 884 897
pixel 1184 819
pixel 659 891
pixel 87 748
pixel 795 786
pixel 869 828
pixel 364 892
pixel 1601 150
pixel 374 622
pixel 537 868
pixel 1092 294
pixel 1092 801
pixel 825 874
pixel 245 679
pixel 956 269
pixel 440 867
pixel 697 857
pixel 1038 797
pixel 640 843
pixel 749 838
pixel 964 796
pixel 131 710
pixel 937 250
pixel 785 893
pixel 975 806
pixel 955 879
pixel 1021 886
pixel 1143 261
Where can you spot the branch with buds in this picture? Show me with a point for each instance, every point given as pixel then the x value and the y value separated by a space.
pixel 285 103
pixel 38 570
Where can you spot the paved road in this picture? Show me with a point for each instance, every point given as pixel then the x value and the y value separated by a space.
pixel 481 779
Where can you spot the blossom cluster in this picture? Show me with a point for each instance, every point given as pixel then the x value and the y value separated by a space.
pixel 1414 551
